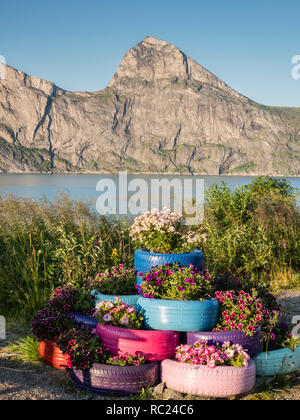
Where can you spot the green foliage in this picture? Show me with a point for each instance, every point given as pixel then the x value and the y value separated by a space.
pixel 252 230
pixel 26 350
pixel 44 245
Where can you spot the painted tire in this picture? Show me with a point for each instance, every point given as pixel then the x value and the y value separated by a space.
pixel 144 260
pixel 179 315
pixel 277 362
pixel 85 321
pixel 157 345
pixel 117 380
pixel 127 299
pixel 222 381
pixel 252 344
pixel 52 355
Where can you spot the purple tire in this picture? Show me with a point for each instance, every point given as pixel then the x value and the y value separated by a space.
pixel 222 381
pixel 116 380
pixel 252 344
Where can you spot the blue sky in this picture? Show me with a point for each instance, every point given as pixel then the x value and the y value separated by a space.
pixel 79 44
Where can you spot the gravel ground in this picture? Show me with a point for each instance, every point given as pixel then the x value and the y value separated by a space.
pixel 20 381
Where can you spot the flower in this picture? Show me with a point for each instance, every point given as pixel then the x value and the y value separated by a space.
pixel 120 315
pixel 165 231
pixel 175 282
pixel 107 318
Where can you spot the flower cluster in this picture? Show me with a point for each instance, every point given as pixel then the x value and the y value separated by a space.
pixel 164 231
pixel 125 359
pixel 212 356
pixel 174 282
pixel 50 324
pixel 241 311
pixel 115 281
pixel 118 314
pixel 228 283
pixel 83 348
pixel 68 299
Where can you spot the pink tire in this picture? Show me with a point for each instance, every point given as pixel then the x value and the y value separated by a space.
pixel 157 345
pixel 222 381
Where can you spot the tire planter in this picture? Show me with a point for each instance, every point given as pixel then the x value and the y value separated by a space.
pixel 222 381
pixel 277 362
pixel 144 260
pixel 116 380
pixel 252 344
pixel 52 355
pixel 85 321
pixel 127 299
pixel 157 345
pixel 179 315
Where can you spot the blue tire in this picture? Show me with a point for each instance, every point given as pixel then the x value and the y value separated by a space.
pixel 85 321
pixel 179 315
pixel 277 362
pixel 127 299
pixel 144 260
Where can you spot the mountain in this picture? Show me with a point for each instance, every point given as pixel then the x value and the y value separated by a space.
pixel 161 112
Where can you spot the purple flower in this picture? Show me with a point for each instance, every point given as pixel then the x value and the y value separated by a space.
pixel 181 288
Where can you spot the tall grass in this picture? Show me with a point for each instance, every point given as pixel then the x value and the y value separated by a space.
pixel 45 244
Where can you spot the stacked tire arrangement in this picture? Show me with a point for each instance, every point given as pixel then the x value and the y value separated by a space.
pixel 169 324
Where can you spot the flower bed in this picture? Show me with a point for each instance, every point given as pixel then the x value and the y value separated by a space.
pixel 144 261
pixel 163 237
pixel 209 370
pixel 178 299
pixel 93 367
pixel 253 344
pixel 179 315
pixel 117 282
pixel 116 380
pixel 156 345
pixel 222 381
pixel 121 330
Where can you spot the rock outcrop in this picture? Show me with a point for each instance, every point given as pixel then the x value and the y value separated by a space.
pixel 161 112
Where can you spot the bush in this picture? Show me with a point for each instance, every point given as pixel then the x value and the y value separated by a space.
pixel 252 230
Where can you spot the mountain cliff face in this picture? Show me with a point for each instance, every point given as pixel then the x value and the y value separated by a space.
pixel 161 112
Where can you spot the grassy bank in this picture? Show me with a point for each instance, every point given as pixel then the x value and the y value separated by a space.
pixel 252 231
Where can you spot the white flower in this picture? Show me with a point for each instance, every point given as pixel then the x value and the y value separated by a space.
pixel 107 318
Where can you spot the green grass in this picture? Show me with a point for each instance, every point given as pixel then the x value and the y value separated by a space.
pixel 25 350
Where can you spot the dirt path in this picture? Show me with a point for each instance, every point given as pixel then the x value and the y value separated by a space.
pixel 19 381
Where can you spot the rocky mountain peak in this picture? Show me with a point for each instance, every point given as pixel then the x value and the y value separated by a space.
pixel 162 112
pixel 154 60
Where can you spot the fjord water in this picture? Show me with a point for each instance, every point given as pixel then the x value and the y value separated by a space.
pixel 83 187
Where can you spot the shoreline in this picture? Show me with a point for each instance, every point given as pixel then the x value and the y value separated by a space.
pixel 152 173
